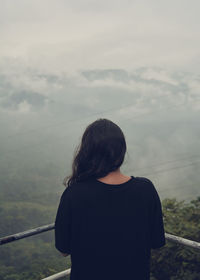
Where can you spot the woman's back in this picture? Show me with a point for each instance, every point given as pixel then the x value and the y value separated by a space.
pixel 109 229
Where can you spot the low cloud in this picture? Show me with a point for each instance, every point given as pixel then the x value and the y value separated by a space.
pixel 158 111
pixel 30 98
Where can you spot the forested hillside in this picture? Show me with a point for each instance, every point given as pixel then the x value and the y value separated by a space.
pixel 36 257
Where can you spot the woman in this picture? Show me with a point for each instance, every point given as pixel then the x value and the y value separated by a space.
pixel 107 221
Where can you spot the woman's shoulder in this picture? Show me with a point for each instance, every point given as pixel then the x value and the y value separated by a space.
pixel 146 183
pixel 144 180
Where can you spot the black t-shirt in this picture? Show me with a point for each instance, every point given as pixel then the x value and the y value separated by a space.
pixel 109 230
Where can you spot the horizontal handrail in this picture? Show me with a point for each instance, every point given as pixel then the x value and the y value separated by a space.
pixel 182 241
pixel 38 230
pixel 58 275
pixel 27 233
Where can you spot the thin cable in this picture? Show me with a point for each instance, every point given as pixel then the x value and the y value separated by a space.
pixel 169 161
pixel 172 168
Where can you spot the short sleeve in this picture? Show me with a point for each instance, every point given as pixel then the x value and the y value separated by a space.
pixel 156 226
pixel 63 223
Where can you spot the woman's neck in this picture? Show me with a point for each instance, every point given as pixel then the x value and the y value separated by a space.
pixel 114 177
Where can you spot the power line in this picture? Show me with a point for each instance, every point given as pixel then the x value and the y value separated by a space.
pixel 169 169
pixel 158 164
pixel 172 168
pixel 169 161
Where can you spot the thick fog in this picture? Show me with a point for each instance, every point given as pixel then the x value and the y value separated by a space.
pixel 43 117
pixel 64 64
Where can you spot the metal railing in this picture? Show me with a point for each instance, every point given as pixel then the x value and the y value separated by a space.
pixel 58 275
pixel 27 233
pixel 38 230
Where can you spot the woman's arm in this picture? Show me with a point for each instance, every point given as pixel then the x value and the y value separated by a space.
pixel 63 225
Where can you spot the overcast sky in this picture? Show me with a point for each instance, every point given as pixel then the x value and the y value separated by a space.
pixel 64 63
pixel 71 35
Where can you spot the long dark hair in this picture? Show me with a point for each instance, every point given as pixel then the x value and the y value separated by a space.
pixel 101 151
